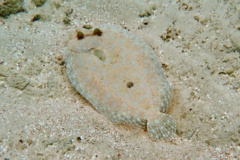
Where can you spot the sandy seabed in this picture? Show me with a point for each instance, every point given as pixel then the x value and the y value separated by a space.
pixel 43 117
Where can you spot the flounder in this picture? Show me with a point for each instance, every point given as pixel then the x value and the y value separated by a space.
pixel 119 74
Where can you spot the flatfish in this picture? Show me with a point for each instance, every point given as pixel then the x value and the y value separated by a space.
pixel 119 74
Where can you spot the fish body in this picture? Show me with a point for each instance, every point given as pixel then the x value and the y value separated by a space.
pixel 119 74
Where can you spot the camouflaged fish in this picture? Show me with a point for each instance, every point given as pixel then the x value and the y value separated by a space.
pixel 119 74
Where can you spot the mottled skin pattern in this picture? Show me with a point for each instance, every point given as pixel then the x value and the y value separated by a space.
pixel 119 74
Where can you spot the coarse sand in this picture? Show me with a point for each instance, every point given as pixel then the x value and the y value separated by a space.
pixel 42 116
